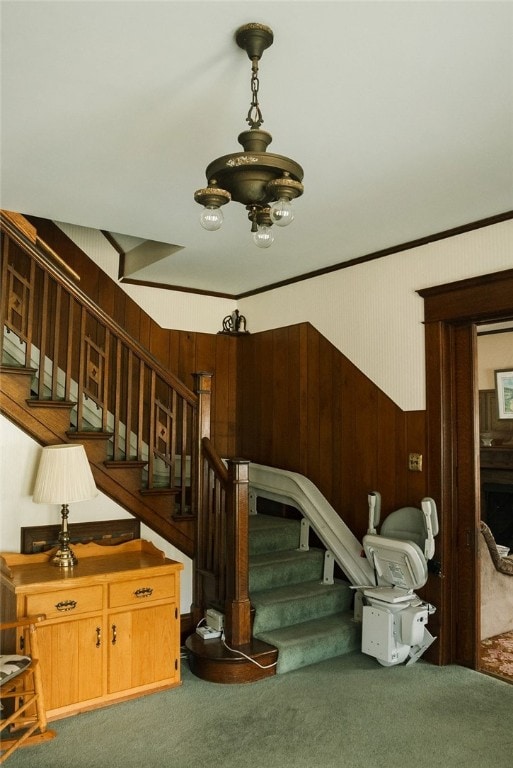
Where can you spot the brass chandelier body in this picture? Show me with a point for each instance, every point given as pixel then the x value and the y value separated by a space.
pixel 254 177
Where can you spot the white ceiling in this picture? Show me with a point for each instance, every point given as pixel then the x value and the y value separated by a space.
pixel 401 114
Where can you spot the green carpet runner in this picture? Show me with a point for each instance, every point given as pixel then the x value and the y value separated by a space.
pixel 307 621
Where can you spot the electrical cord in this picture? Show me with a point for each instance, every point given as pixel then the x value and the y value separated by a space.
pixel 240 653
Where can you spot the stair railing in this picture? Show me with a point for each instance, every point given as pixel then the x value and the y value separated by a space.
pixel 81 355
pixel 222 555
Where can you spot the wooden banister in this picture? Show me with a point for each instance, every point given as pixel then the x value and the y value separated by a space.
pixel 222 557
pixel 81 355
pixel 93 309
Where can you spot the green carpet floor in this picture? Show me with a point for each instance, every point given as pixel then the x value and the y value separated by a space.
pixel 346 712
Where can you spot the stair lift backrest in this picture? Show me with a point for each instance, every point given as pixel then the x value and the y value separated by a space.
pixel 412 524
pixel 399 564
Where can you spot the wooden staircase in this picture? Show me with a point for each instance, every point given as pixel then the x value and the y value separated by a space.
pixel 69 373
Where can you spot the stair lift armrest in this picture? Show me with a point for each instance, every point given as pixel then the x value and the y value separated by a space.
pixel 428 507
pixel 374 502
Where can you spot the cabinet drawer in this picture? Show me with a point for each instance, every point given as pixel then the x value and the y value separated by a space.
pixel 141 590
pixel 66 602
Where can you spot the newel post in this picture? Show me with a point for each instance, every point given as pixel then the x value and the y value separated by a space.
pixel 237 606
pixel 203 389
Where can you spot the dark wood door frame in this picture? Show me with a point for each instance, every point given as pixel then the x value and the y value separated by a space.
pixel 451 312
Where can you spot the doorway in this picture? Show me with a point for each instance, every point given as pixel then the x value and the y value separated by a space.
pixel 451 313
pixel 495 353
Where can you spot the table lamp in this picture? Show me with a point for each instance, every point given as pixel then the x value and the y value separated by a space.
pixel 63 477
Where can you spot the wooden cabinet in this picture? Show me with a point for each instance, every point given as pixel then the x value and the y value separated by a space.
pixel 112 628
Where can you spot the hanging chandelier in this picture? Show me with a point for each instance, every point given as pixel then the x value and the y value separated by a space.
pixel 263 182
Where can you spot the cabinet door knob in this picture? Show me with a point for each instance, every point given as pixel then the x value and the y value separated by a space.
pixel 114 634
pixel 66 605
pixel 143 592
pixel 98 636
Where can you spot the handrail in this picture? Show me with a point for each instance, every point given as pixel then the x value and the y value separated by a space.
pixel 214 460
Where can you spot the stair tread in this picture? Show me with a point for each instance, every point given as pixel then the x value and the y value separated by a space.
pixel 283 556
pixel 261 522
pixel 311 642
pixel 309 631
pixel 271 534
pixel 303 590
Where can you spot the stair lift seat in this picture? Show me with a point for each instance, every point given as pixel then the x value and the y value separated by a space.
pixel 394 617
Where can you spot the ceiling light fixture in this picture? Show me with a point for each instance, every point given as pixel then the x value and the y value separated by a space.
pixel 263 182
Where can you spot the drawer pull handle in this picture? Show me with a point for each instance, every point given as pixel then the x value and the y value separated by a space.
pixel 114 634
pixel 98 637
pixel 66 605
pixel 143 592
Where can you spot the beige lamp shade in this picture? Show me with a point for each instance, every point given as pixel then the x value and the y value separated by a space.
pixel 64 476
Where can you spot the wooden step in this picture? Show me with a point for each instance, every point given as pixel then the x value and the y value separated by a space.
pixel 210 660
pixel 55 413
pixel 95 443
pixel 16 381
pixel 126 471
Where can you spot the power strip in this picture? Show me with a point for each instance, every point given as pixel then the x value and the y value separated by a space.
pixel 207 633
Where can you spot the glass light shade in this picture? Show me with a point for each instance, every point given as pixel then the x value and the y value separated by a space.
pixel 211 218
pixel 264 237
pixel 64 476
pixel 281 213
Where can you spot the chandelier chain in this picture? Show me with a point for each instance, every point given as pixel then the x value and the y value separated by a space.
pixel 254 118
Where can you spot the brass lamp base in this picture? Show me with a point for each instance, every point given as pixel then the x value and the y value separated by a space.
pixel 64 557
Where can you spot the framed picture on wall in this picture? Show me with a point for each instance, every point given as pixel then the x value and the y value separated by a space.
pixel 504 389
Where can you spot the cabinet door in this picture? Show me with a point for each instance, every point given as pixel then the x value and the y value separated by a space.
pixel 143 647
pixel 71 655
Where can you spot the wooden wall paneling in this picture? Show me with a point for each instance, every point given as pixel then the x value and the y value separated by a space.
pixel 145 323
pixel 108 297
pixel 327 427
pixel 159 343
pixel 390 452
pixel 294 394
pixel 339 430
pixel 302 362
pixel 312 466
pixel 253 371
pixel 225 365
pixel 174 350
pixel 187 357
pixel 364 453
pixel 262 435
pixel 283 439
pixel 132 320
pixel 416 488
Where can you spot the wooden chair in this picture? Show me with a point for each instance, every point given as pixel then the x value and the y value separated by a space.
pixel 22 694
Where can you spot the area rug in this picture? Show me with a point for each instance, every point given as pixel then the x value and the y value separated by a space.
pixel 497 656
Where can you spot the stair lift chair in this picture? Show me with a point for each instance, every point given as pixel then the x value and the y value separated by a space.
pixel 394 618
